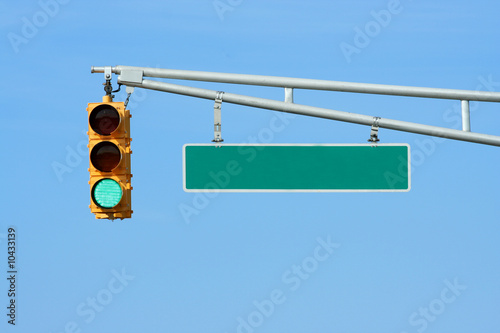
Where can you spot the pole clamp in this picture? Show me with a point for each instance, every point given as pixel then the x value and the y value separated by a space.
pixel 217 117
pixel 374 132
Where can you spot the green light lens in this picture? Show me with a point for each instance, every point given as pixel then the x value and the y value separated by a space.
pixel 107 193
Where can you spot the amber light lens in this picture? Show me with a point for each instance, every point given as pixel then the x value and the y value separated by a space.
pixel 105 156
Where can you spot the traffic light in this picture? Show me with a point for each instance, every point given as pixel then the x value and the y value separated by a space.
pixel 109 154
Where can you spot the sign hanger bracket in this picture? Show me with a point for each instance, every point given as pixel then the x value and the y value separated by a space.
pixel 217 117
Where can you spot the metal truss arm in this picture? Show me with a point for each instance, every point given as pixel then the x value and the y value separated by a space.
pixel 312 84
pixel 320 112
pixel 133 77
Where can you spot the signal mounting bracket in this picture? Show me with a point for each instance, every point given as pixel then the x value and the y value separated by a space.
pixel 107 76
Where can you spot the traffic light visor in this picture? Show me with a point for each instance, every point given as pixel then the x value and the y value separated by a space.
pixel 104 119
pixel 107 193
pixel 105 156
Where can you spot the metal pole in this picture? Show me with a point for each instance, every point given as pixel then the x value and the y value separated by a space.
pixel 320 112
pixel 465 116
pixel 286 82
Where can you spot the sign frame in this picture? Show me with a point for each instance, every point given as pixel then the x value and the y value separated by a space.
pixel 217 190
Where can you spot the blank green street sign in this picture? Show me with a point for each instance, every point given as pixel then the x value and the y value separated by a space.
pixel 296 168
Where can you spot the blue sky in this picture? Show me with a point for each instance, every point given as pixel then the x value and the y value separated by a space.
pixel 422 261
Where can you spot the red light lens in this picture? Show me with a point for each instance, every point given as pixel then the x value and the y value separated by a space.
pixel 104 119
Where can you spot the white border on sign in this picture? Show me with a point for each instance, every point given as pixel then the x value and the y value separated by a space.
pixel 289 144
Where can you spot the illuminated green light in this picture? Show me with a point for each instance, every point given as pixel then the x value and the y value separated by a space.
pixel 107 193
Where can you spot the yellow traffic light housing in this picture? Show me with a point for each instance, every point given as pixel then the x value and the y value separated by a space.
pixel 109 157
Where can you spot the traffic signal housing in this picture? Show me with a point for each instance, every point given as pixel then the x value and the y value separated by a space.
pixel 109 155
